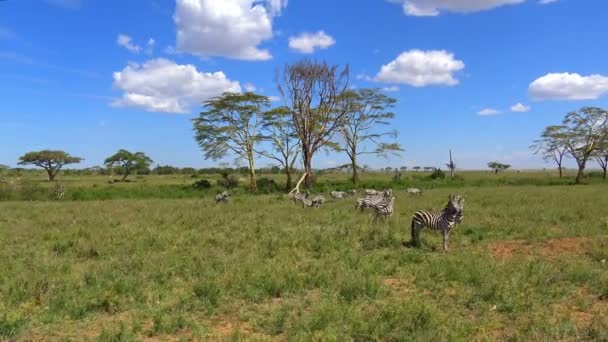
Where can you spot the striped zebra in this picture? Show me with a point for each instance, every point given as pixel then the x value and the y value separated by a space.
pixel 352 192
pixel 298 196
pixel 385 208
pixel 371 192
pixel 443 221
pixel 315 202
pixel 223 197
pixel 371 201
pixel 414 191
pixel 59 191
pixel 339 194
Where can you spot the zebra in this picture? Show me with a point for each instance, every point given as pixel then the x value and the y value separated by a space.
pixel 352 192
pixel 59 191
pixel 371 201
pixel 414 191
pixel 371 192
pixel 298 196
pixel 384 208
pixel 223 197
pixel 339 194
pixel 443 221
pixel 315 202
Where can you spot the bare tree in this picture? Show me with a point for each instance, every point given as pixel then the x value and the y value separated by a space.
pixel 278 129
pixel 231 124
pixel 312 90
pixel 585 130
pixel 451 166
pixel 552 146
pixel 368 109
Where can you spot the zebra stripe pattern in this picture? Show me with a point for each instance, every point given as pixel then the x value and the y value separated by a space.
pixel 372 201
pixel 384 209
pixel 59 191
pixel 223 197
pixel 443 221
pixel 339 194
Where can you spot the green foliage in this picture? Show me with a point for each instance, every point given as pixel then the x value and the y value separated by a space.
pixel 202 184
pixel 498 167
pixel 129 162
pixel 437 174
pixel 268 185
pixel 50 161
pixel 229 181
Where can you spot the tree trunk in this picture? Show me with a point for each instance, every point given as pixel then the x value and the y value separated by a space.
pixel 580 174
pixel 124 177
pixel 51 174
pixel 289 182
pixel 253 186
pixel 559 167
pixel 308 170
pixel 355 170
pixel 604 175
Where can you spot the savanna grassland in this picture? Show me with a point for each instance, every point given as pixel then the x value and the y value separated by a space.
pixel 527 263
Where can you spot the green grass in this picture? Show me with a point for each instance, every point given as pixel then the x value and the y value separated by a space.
pixel 261 268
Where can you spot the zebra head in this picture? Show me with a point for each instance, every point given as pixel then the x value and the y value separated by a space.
pixel 455 207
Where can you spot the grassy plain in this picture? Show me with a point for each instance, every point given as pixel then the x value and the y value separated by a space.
pixel 527 263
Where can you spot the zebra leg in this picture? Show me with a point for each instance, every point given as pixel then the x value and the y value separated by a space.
pixel 446 237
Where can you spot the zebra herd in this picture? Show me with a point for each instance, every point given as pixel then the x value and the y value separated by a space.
pixel 382 205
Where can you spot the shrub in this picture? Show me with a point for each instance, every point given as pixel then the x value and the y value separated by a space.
pixel 229 181
pixel 202 184
pixel 437 174
pixel 267 185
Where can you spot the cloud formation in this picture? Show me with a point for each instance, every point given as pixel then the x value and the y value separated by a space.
pixel 161 85
pixel 520 108
pixel 568 86
pixel 309 42
pixel 422 68
pixel 435 7
pixel 488 112
pixel 125 41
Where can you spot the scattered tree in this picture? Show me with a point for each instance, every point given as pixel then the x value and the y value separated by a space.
pixel 128 162
pixel 552 145
pixel 451 166
pixel 368 109
pixel 416 168
pixel 279 130
pixel 50 161
pixel 231 124
pixel 312 92
pixel 601 155
pixel 585 131
pixel 403 168
pixel 498 167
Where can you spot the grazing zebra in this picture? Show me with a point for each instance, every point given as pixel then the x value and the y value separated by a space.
pixel 384 209
pixel 318 201
pixel 298 196
pixel 339 194
pixel 443 221
pixel 414 191
pixel 223 197
pixel 352 192
pixel 371 201
pixel 59 190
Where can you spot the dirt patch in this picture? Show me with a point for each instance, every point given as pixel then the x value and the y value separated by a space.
pixel 398 285
pixel 547 248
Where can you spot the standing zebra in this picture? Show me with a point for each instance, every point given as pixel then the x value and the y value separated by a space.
pixel 59 191
pixel 318 201
pixel 371 192
pixel 384 209
pixel 443 221
pixel 298 196
pixel 414 191
pixel 339 194
pixel 371 201
pixel 223 197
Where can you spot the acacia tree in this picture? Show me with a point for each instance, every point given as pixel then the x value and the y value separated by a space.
pixel 278 129
pixel 128 162
pixel 498 167
pixel 451 166
pixel 231 124
pixel 50 161
pixel 311 91
pixel 601 156
pixel 585 131
pixel 367 110
pixel 552 145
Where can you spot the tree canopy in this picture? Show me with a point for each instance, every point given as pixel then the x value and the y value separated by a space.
pixel 498 167
pixel 128 162
pixel 552 145
pixel 50 160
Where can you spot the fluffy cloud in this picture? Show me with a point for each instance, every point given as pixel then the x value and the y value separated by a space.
pixel 421 68
pixel 161 85
pixel 308 42
pixel 435 7
pixel 488 112
pixel 228 28
pixel 126 42
pixel 250 87
pixel 568 86
pixel 520 108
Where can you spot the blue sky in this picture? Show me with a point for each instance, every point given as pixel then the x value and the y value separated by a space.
pixel 91 77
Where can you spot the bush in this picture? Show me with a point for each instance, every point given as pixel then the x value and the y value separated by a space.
pixel 437 174
pixel 202 184
pixel 267 185
pixel 229 181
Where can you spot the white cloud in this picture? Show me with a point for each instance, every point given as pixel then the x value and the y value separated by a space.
pixel 568 86
pixel 274 98
pixel 363 76
pixel 391 89
pixel 545 2
pixel 520 108
pixel 126 42
pixel 488 112
pixel 250 87
pixel 308 42
pixel 435 7
pixel 228 28
pixel 421 68
pixel 150 46
pixel 161 85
